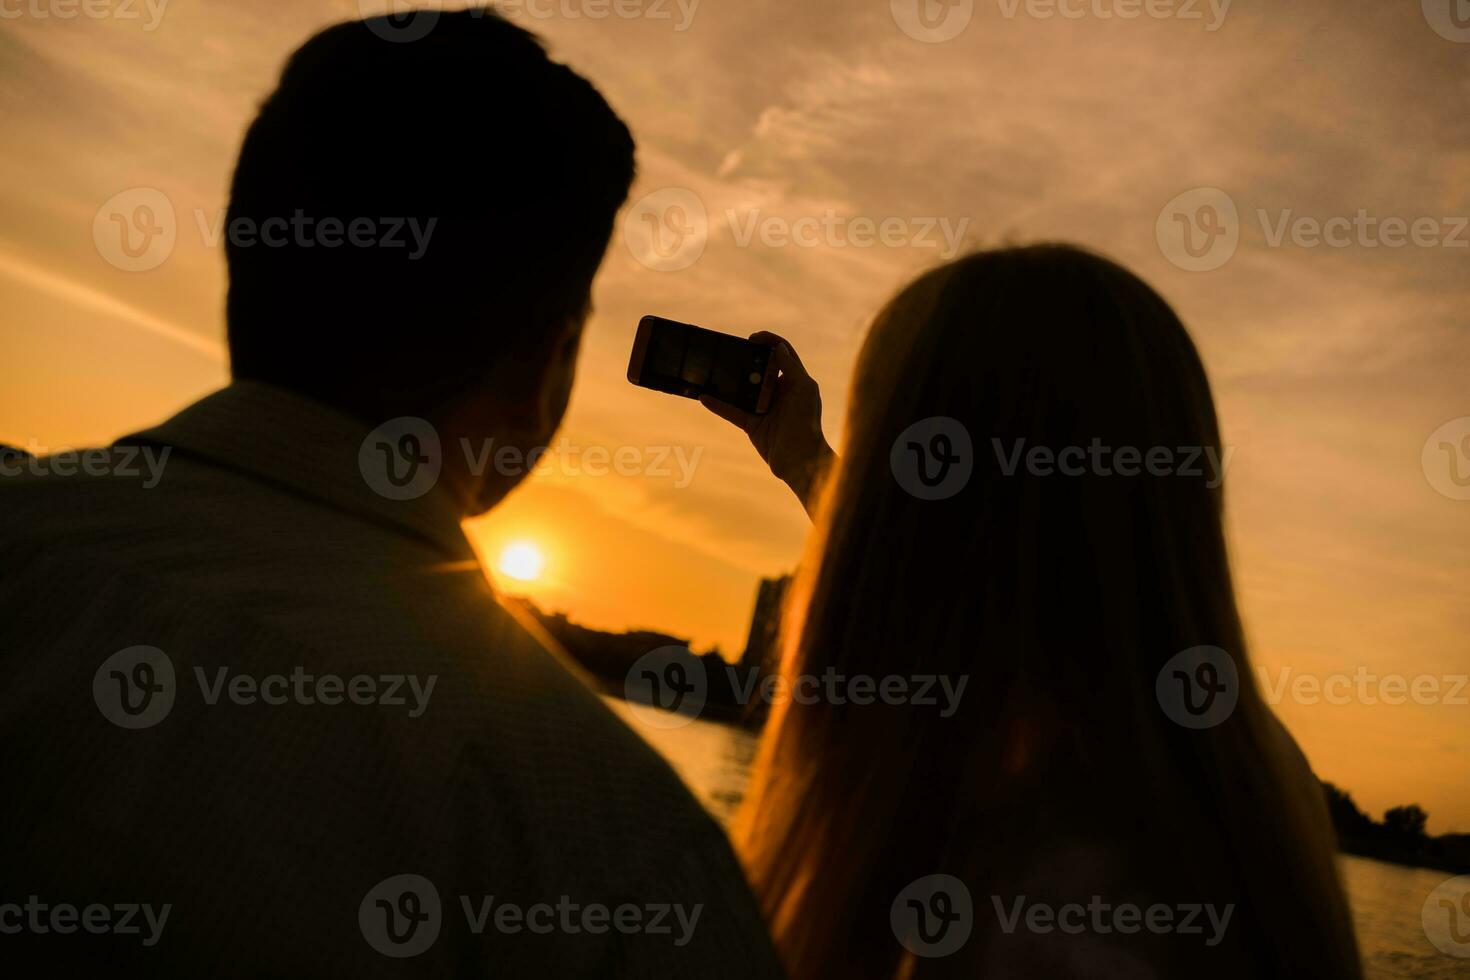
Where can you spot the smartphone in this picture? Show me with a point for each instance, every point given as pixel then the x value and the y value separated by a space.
pixel 682 359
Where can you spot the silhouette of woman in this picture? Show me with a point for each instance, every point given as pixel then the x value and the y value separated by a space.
pixel 1028 499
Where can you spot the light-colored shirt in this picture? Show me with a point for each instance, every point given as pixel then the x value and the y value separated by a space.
pixel 297 763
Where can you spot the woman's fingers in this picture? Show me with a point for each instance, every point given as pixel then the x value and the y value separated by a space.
pixel 783 354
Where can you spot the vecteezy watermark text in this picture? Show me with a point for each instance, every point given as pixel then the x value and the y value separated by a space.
pixel 300 687
pixel 145 463
pixel 1200 687
pixel 834 230
pixel 1363 686
pixel 667 230
pixel 136 688
pixel 302 230
pixel 569 459
pixel 670 686
pixel 1097 459
pixel 136 230
pixel 1200 230
pixel 934 459
pixel 1211 13
pixel 400 21
pixel 403 458
pixel 402 916
pixel 937 21
pixel 63 919
pixel 1104 918
pixel 126 10
pixel 570 918
pixel 679 12
pixel 934 916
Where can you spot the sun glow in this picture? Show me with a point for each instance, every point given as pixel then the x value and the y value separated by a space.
pixel 522 561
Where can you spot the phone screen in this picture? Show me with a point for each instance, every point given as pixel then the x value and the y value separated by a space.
pixel 682 359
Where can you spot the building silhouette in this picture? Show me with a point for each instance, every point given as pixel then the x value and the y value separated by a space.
pixel 765 626
pixel 608 657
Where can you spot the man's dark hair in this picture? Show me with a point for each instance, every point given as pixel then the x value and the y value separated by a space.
pixel 485 176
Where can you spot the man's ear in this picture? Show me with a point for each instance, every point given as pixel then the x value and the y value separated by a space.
pixel 559 370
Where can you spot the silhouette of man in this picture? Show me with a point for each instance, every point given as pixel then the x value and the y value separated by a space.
pixel 265 718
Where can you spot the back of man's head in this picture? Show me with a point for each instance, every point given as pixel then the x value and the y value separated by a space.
pixel 406 212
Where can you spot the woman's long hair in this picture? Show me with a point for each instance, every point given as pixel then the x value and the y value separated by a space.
pixel 1060 598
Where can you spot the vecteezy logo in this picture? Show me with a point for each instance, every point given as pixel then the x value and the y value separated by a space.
pixel 667 687
pixel 933 458
pixel 667 230
pixel 940 448
pixel 1198 687
pixel 401 458
pixel 400 21
pixel 401 916
pixel 933 916
pixel 134 688
pixel 1446 917
pixel 932 21
pixel 1199 230
pixel 1449 18
pixel 136 230
pixel 1446 458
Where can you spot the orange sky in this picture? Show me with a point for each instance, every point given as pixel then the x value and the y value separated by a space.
pixel 1332 365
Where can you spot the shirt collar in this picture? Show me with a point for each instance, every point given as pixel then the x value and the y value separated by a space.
pixel 280 437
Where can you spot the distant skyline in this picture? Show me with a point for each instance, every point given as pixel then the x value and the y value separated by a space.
pixel 778 139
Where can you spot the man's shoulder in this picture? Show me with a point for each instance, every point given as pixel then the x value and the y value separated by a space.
pixel 349 670
pixel 79 497
pixel 104 569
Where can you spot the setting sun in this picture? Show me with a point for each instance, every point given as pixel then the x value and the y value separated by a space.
pixel 522 561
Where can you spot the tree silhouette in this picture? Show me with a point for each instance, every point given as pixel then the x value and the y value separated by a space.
pixel 1406 821
pixel 1346 817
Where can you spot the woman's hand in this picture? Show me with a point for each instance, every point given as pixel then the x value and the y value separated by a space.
pixel 789 436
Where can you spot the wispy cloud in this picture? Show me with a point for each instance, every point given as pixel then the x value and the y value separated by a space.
pixel 85 299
